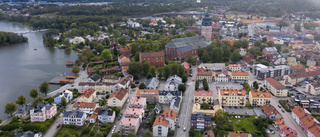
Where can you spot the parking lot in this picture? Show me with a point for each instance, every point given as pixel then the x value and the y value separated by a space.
pixel 240 111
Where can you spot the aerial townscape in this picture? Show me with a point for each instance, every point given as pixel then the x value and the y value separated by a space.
pixel 160 68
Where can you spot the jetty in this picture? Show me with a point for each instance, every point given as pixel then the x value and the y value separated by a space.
pixel 62 80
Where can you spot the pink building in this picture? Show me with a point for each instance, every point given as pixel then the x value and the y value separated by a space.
pixel 43 112
pixel 138 102
pixel 186 66
pixel 129 124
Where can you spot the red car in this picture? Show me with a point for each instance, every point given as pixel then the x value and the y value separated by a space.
pixel 282 110
pixel 58 125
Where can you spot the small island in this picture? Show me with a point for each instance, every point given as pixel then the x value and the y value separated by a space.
pixel 7 38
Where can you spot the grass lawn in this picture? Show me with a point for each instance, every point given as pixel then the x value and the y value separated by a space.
pixel 244 122
pixel 151 106
pixel 197 134
pixel 73 130
pixel 98 66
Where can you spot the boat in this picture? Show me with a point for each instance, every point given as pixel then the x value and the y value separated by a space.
pixel 34 49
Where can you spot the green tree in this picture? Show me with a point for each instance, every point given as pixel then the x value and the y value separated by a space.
pixel 257 43
pixel 98 135
pixel 36 101
pixel 152 71
pixel 131 134
pixel 142 86
pixel 106 54
pixel 44 87
pixel 149 76
pixel 75 69
pixel 42 128
pixel 206 106
pixel 197 85
pixel 184 78
pixel 135 69
pixel 256 85
pixel 285 51
pixel 21 100
pixel 297 27
pixel 34 93
pixel 116 134
pixel 10 108
pixel 145 67
pixel 99 48
pixel 63 101
pixel 235 57
pixel 182 87
pixel 264 39
pixel 261 89
pixel 147 134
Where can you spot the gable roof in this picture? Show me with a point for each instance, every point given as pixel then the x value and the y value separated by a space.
pixel 147 91
pixel 153 82
pixel 76 113
pixel 240 73
pixel 84 105
pixel 238 134
pixel 152 54
pixel 187 44
pixel 170 114
pixel 186 65
pixel 275 83
pixel 88 93
pixel 203 92
pixel 200 115
pixel 304 74
pixel 119 94
pixel 229 92
pixel 270 110
pixel 161 120
pixel 300 112
pixel 95 77
pixel 265 94
pixel 174 93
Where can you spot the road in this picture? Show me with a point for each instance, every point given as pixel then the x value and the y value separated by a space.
pixel 52 130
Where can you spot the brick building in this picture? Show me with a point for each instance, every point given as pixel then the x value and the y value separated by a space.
pixel 154 58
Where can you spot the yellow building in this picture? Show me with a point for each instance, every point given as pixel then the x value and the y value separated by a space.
pixel 232 97
pixel 276 88
pixel 104 87
pixel 118 98
pixel 292 61
pixel 205 75
pixel 197 108
pixel 259 98
pixel 88 96
pixel 203 97
pixel 239 76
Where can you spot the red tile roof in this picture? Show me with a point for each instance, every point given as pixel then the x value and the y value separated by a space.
pixel 170 114
pixel 228 92
pixel 315 130
pixel 238 134
pixel 270 110
pixel 265 94
pixel 88 93
pixel 84 105
pixel 240 73
pixel 275 83
pixel 186 65
pixel 309 121
pixel 119 94
pixel 147 91
pixel 204 73
pixel 299 111
pixel 202 92
pixel 161 120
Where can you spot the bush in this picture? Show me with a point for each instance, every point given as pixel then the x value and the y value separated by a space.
pixel 284 105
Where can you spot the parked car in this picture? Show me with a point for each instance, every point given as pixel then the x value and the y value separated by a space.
pixel 279 106
pixel 72 85
pixel 58 125
pixel 282 110
pixel 184 129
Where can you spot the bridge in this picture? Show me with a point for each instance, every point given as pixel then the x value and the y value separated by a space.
pixel 30 31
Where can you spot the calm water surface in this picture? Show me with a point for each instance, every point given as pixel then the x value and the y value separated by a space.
pixel 23 68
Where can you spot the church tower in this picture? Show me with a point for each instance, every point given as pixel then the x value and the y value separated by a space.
pixel 206 28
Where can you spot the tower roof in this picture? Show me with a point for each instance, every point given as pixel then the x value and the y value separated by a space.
pixel 206 21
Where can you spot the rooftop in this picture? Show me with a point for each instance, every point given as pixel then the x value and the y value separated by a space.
pixel 88 93
pixel 161 120
pixel 186 65
pixel 275 83
pixel 240 73
pixel 232 92
pixel 147 91
pixel 119 94
pixel 238 134
pixel 133 111
pixel 170 114
pixel 152 54
pixel 138 101
pixel 129 121
pixel 76 113
pixel 187 44
pixel 84 105
pixel 203 93
pixel 260 94
pixel 270 110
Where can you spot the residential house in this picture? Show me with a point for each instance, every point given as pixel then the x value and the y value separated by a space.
pixel 111 79
pixel 232 97
pixel 171 116
pixel 175 104
pixel 43 112
pixel 104 87
pixel 124 82
pixel 104 115
pixel 298 113
pixel 85 107
pixel 314 131
pixel 184 47
pixel 294 79
pixel 311 62
pixel 94 78
pixel 88 96
pixel 296 44
pixel 221 76
pixel 262 71
pixel 203 97
pixel 23 112
pixel 239 134
pixel 201 75
pixel 129 124
pixel 200 121
pixel 124 64
pixel 308 122
pixel 152 83
pixel 28 134
pixel 292 61
pixel 160 127
pixel 83 86
pixel 74 117
pixel 239 76
pixel 213 66
pixel 172 83
pixel 269 50
pixel 276 88
pixel 154 58
pixel 138 102
pixel 297 68
pixel 125 50
pixel 118 98
pixel 196 108
pixel 271 112
pixel 234 67
pixel 151 95
pixel 66 94
pixel 166 97
pixel 313 88
pixel 77 40
pixel 259 98
pixel 186 66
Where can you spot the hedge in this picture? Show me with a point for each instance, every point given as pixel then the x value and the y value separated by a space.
pixel 284 105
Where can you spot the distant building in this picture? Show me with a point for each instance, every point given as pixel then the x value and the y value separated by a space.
pixel 221 76
pixel 206 28
pixel 104 115
pixel 186 66
pixel 269 50
pixel 239 76
pixel 85 107
pixel 67 94
pixel 200 121
pixel 154 58
pixel 175 104
pixel 160 127
pixel 262 71
pixel 28 134
pixel 294 79
pixel 74 117
pixel 234 67
pixel 208 75
pixel 151 95
pixel 239 134
pixel 152 83
pixel 172 83
pixel 313 88
pixel 111 79
pixel 125 50
pixel 297 69
pixel 202 97
pixel 311 62
pixel 213 66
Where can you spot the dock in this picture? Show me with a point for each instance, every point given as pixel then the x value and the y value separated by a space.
pixel 56 80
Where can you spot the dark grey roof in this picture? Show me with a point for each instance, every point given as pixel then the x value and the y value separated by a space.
pixel 152 82
pixel 76 113
pixel 107 112
pixel 158 107
pixel 95 77
pixel 200 115
pixel 176 102
pixel 47 106
pixel 187 44
pixel 24 109
pixel 174 93
pixel 27 134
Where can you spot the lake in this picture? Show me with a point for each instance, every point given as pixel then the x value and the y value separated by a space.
pixel 23 68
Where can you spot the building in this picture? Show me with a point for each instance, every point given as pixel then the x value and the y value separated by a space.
pixel 234 67
pixel 118 98
pixel 138 102
pixel 23 112
pixel 152 83
pixel 175 104
pixel 166 97
pixel 239 76
pixel 297 68
pixel 294 79
pixel 298 113
pixel 77 40
pixel 186 66
pixel 232 97
pixel 28 134
pixel 43 112
pixel 154 58
pixel 85 107
pixel 129 124
pixel 93 79
pixel 66 94
pixel 200 121
pixel 171 116
pixel 206 28
pixel 208 133
pixel 125 50
pixel 292 61
pixel 104 87
pixel 202 97
pixel 74 117
pixel 313 88
pixel 83 86
pixel 259 98
pixel 276 88
pixel 124 82
pixel 262 71
pixel 160 127
pixel 124 63
pixel 311 62
pixel 221 77
pixel 172 83
pixel 201 75
pixel 296 44
pixel 111 79
pixel 308 122
pixel 88 96
pixel 151 95
pixel 184 47
pixel 314 131
pixel 269 50
pixel 104 115
pixel 213 66
pixel 196 108
pixel 271 112
pixel 239 134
